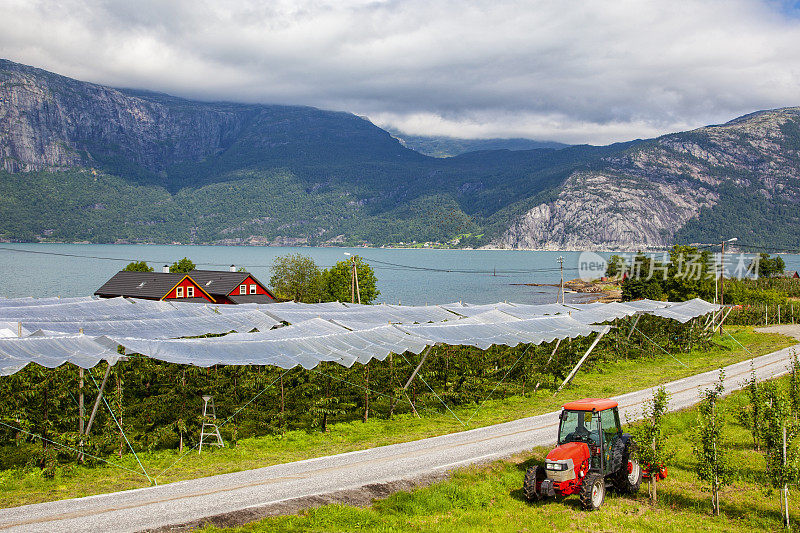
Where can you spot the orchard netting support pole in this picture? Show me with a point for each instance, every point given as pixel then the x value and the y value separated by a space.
pixel 600 335
pixel 81 420
pixel 719 326
pixel 785 489
pixel 552 354
pixel 633 326
pixel 430 388
pixel 116 421
pixel 411 378
pixel 717 315
pixel 94 409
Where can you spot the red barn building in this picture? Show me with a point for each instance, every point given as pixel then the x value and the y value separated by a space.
pixel 208 286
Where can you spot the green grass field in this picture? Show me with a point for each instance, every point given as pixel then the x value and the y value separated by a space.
pixel 488 498
pixel 28 485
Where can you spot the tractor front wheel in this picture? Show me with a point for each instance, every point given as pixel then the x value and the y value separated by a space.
pixel 593 491
pixel 533 480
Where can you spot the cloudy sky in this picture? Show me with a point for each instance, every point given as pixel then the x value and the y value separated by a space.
pixel 573 71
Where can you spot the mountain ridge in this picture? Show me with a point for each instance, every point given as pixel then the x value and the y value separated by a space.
pixel 664 185
pixel 85 162
pixel 445 146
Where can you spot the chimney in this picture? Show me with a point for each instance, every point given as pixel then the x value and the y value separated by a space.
pixel 165 269
pixel 233 268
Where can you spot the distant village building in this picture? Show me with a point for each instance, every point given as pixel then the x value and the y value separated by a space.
pixel 204 286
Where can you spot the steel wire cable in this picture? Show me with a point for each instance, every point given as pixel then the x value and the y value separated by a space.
pixel 49 441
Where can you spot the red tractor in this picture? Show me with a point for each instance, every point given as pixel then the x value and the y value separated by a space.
pixel 592 454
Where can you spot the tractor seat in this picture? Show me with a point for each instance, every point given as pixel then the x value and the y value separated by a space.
pixel 577 436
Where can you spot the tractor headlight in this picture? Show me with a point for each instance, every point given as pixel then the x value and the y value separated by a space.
pixel 556 466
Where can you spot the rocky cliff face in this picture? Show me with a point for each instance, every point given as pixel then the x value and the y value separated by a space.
pixel 50 122
pixel 600 210
pixel 645 196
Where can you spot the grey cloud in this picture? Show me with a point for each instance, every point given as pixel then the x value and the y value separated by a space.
pixel 571 71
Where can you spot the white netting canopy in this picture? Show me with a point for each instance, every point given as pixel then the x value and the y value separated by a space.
pixel 333 331
pixel 50 352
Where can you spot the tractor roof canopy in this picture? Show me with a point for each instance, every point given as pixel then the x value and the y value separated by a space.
pixel 590 404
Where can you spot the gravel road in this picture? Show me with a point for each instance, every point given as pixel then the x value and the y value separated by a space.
pixel 250 492
pixel 790 330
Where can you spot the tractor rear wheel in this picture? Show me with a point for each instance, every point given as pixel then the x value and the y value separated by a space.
pixel 593 491
pixel 629 477
pixel 533 480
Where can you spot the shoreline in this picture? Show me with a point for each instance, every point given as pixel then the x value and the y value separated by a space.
pixel 355 247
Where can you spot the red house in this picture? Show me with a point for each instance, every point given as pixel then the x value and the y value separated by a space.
pixel 232 287
pixel 209 286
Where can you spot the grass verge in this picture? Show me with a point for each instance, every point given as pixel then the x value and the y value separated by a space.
pixel 28 485
pixel 488 498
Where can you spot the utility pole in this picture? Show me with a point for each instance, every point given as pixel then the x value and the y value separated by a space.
pixel 561 267
pixel 355 279
pixel 352 278
pixel 722 276
pixel 355 291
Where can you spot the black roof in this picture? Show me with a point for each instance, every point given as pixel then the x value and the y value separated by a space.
pixel 217 282
pixel 140 284
pixel 221 283
pixel 250 299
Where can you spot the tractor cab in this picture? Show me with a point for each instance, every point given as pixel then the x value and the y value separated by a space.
pixel 594 422
pixel 592 453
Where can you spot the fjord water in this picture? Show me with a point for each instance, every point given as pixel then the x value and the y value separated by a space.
pixel 410 276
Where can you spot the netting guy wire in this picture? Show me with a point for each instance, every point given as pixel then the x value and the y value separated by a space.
pixel 659 346
pixel 363 387
pixel 500 382
pixel 111 412
pixel 34 435
pixel 434 393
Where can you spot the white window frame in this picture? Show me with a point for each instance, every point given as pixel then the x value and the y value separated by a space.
pixel 253 288
pixel 190 292
pixel 242 289
pixel 179 292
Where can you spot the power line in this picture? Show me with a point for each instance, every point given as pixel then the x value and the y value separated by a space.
pixel 79 256
pixel 385 265
pixel 768 248
pixel 469 270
